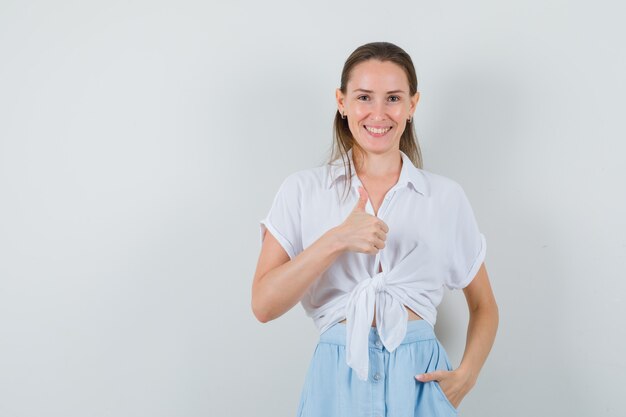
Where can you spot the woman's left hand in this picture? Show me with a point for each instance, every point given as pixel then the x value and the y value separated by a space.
pixel 454 384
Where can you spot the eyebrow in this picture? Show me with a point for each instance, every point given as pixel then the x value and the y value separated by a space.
pixel 370 91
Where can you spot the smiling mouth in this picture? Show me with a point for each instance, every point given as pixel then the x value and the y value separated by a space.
pixel 374 131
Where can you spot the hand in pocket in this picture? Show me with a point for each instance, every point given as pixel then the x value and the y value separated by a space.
pixel 454 384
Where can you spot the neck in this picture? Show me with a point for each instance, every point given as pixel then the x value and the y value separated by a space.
pixel 377 166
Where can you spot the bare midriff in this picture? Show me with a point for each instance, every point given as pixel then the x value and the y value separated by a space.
pixel 412 314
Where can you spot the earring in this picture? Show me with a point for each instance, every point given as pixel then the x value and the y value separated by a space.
pixel 343 115
pixel 409 119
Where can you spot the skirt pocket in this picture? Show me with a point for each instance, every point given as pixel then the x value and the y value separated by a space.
pixel 448 366
pixel 443 396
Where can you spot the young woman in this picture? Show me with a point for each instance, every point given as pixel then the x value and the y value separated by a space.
pixel 369 267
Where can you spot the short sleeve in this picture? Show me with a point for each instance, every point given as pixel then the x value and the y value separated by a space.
pixel 468 247
pixel 283 219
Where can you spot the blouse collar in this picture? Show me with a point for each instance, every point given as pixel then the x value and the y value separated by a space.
pixel 408 174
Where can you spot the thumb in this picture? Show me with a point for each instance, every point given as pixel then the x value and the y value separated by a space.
pixel 363 196
pixel 430 376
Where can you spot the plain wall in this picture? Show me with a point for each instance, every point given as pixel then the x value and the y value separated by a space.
pixel 141 143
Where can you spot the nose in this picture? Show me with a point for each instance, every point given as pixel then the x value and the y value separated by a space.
pixel 378 110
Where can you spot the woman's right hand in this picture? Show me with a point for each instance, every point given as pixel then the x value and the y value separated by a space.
pixel 361 231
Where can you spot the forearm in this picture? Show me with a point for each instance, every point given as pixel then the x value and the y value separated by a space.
pixel 282 287
pixel 481 333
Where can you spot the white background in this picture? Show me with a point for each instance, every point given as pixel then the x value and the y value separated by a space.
pixel 141 142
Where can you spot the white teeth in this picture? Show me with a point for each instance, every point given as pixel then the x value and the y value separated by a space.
pixel 378 131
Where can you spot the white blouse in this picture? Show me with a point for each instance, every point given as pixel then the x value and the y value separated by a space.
pixel 433 240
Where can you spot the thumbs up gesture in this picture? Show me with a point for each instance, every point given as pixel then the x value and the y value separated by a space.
pixel 362 232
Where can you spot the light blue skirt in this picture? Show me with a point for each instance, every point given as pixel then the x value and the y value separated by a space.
pixel 332 389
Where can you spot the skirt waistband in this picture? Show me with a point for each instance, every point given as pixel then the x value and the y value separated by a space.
pixel 416 330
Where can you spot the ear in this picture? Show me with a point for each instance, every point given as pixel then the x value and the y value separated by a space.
pixel 414 101
pixel 340 99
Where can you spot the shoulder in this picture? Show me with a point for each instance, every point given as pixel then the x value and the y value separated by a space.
pixel 297 187
pixel 306 180
pixel 441 186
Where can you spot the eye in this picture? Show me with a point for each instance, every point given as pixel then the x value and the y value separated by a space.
pixel 363 98
pixel 394 98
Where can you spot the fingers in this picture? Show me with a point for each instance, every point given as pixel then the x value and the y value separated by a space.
pixel 453 388
pixel 362 201
pixel 431 376
pixel 381 235
pixel 364 232
pixel 383 226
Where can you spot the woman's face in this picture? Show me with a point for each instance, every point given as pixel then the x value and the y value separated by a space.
pixel 377 104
